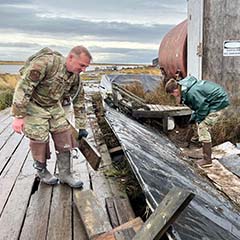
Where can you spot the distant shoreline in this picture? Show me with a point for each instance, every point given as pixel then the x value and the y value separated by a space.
pixel 11 62
pixel 93 64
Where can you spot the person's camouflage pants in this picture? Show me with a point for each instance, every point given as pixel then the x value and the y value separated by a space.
pixel 204 127
pixel 41 121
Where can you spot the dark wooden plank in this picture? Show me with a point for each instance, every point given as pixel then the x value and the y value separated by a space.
pixel 159 114
pixel 60 222
pixel 167 211
pixel 165 124
pixel 11 172
pixel 112 212
pixel 14 212
pixel 91 154
pixel 123 209
pixel 136 224
pixel 94 218
pixel 8 149
pixel 125 234
pixel 39 208
pixel 115 150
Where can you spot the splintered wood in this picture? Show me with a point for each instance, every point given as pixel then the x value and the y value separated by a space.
pixel 224 180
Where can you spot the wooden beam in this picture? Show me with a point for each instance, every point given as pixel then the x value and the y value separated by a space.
pixel 134 224
pixel 159 114
pixel 125 234
pixel 94 218
pixel 119 210
pixel 166 213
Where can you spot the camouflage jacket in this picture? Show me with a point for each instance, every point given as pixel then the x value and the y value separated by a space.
pixel 46 81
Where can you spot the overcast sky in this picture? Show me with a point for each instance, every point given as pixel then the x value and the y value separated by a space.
pixel 119 31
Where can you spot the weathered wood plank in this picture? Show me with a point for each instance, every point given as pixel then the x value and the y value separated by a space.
pixel 80 170
pixel 115 150
pixel 159 114
pixel 60 221
pixel 39 207
pixel 100 184
pixel 4 114
pixel 5 135
pixel 5 123
pixel 11 172
pixel 123 209
pixel 167 211
pixel 8 149
pixel 136 224
pixel 125 234
pixel 112 212
pixel 14 212
pixel 79 232
pixel 94 218
pixel 224 180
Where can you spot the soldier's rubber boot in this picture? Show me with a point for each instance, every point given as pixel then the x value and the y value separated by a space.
pixel 65 175
pixel 207 156
pixel 43 173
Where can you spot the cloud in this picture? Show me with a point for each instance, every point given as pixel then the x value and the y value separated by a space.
pixel 33 22
pixel 126 30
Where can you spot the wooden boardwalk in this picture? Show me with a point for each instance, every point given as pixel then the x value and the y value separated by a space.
pixel 29 210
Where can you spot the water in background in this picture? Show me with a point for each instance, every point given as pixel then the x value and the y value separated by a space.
pixel 13 69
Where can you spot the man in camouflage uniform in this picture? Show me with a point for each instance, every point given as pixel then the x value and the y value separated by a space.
pixel 207 100
pixel 47 80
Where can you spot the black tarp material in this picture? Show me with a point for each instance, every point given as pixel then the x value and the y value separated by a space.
pixel 158 166
pixel 149 82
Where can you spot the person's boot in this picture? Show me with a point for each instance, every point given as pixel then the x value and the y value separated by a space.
pixel 207 156
pixel 65 175
pixel 43 173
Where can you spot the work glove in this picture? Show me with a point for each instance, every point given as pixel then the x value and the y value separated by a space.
pixel 82 133
pixel 192 119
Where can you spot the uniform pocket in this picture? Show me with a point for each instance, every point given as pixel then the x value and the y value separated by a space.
pixel 57 88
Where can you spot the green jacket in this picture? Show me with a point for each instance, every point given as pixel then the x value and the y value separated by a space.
pixel 203 97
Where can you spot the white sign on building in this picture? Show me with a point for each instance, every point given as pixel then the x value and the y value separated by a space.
pixel 231 48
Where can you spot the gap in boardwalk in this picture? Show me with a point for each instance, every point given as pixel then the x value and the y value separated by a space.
pixel 120 170
pixel 35 185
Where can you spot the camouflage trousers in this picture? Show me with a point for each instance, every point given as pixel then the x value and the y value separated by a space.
pixel 205 126
pixel 40 121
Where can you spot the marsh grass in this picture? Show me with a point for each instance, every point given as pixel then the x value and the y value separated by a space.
pixel 228 126
pixel 158 96
pixel 7 85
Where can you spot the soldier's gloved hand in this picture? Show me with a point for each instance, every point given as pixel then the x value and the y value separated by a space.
pixel 191 121
pixel 82 133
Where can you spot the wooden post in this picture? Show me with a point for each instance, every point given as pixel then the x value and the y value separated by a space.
pixel 166 213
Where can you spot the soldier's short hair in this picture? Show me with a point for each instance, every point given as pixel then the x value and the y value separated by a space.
pixel 171 85
pixel 81 49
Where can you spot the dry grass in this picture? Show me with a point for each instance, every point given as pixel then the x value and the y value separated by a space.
pixel 138 70
pixel 8 81
pixel 228 127
pixel 141 70
pixel 7 85
pixel 158 96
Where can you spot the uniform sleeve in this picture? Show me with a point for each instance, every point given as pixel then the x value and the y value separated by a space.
pixel 30 78
pixel 79 106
